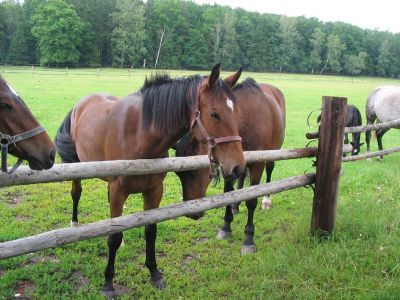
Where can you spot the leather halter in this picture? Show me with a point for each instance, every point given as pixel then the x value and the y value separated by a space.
pixel 6 140
pixel 211 140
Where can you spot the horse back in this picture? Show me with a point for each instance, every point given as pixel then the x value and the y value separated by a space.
pixel 384 103
pixel 95 121
pixel 262 117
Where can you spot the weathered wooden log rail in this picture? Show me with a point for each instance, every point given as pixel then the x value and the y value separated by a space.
pixel 64 236
pixel 103 169
pixel 359 129
pixel 371 154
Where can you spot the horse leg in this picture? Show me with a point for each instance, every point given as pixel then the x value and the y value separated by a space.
pixel 152 199
pixel 76 192
pixel 266 201
pixel 226 230
pixel 379 135
pixel 346 141
pixel 370 120
pixel 116 198
pixel 240 184
pixel 248 245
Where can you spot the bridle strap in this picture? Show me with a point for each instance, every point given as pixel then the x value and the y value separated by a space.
pixel 212 141
pixel 6 140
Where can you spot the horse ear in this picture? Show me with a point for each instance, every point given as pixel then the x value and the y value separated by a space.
pixel 214 75
pixel 233 79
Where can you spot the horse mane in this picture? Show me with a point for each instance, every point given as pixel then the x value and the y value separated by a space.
pixel 248 83
pixel 167 102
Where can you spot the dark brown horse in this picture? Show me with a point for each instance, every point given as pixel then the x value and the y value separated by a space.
pixel 146 124
pixel 262 127
pixel 21 134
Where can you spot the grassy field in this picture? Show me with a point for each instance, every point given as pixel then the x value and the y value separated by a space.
pixel 360 261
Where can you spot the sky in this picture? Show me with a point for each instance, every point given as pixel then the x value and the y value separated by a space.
pixel 382 15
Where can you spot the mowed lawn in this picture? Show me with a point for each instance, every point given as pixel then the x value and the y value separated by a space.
pixel 360 261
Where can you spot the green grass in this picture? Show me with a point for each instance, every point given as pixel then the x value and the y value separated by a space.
pixel 360 261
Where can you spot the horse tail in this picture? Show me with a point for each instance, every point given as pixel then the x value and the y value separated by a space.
pixel 64 143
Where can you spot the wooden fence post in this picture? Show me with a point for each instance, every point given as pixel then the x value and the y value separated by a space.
pixel 329 160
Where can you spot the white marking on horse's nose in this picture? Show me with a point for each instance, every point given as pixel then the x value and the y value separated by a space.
pixel 229 102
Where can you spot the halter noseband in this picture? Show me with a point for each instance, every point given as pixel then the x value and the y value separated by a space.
pixel 6 140
pixel 211 140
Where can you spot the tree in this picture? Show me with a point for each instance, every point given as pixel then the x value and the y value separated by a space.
pixel 3 34
pixel 384 59
pixel 317 41
pixel 355 64
pixel 289 43
pixel 334 53
pixel 58 30
pixel 18 53
pixel 128 34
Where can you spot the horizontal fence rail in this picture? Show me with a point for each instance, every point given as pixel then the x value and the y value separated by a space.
pixel 371 154
pixel 64 236
pixel 359 129
pixel 104 169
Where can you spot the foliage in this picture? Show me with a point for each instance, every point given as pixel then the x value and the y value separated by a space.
pixel 58 30
pixel 184 35
pixel 128 34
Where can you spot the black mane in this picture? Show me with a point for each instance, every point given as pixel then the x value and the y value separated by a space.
pixel 167 102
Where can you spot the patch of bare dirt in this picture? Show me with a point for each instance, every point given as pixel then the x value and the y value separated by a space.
pixel 22 218
pixel 188 258
pixel 42 258
pixel 24 289
pixel 14 199
pixel 81 281
pixel 200 240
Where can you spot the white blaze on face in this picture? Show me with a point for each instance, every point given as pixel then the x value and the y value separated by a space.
pixel 229 102
pixel 12 90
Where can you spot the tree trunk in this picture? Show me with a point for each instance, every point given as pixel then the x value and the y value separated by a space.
pixel 327 59
pixel 159 46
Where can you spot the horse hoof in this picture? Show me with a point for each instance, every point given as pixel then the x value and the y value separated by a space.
pixel 266 203
pixel 110 293
pixel 222 234
pixel 122 243
pixel 248 249
pixel 159 284
pixel 74 224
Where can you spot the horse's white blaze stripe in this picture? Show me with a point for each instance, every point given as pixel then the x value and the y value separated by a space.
pixel 229 102
pixel 12 90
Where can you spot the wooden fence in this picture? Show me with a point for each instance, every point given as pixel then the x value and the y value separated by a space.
pixel 326 179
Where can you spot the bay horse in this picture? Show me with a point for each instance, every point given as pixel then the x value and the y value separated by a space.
pixel 262 127
pixel 383 105
pixel 21 134
pixel 145 125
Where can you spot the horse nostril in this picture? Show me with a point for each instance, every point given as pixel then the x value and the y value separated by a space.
pixel 52 155
pixel 236 172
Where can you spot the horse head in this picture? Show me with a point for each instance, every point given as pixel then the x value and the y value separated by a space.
pixel 217 120
pixel 21 134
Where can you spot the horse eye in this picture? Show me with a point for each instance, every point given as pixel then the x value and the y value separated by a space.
pixel 215 115
pixel 5 106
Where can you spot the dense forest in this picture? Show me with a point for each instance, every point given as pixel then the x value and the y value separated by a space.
pixel 184 35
